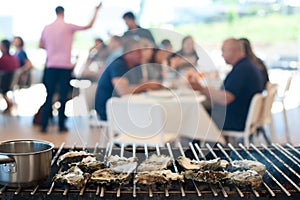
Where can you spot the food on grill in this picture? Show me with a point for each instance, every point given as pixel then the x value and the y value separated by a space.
pixel 72 157
pixel 155 163
pixel 245 178
pixel 119 171
pixel 73 176
pixel 159 176
pixel 107 176
pixel 248 165
pixel 189 164
pixel 90 164
pixel 206 176
pixel 122 165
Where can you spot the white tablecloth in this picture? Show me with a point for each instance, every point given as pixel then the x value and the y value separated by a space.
pixel 183 114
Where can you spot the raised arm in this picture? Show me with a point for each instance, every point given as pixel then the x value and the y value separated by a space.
pixel 91 23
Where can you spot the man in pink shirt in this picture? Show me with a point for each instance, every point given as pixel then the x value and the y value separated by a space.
pixel 57 39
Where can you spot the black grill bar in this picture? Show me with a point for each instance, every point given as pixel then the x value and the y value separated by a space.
pixel 239 155
pixel 230 160
pixel 288 154
pixel 68 186
pixel 135 171
pixel 204 158
pixel 269 174
pixel 183 154
pixel 166 188
pixel 280 160
pixel 175 168
pixel 293 148
pixel 107 153
pixel 147 156
pixel 220 184
pixel 279 170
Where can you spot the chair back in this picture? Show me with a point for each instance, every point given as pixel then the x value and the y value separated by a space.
pixel 266 114
pixel 138 120
pixel 254 113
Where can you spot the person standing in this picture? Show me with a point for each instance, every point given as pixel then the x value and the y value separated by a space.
pixel 134 30
pixel 57 39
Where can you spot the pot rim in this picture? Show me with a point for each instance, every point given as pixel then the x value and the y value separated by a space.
pixel 51 146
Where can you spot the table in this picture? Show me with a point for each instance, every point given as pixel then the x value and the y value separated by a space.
pixel 178 112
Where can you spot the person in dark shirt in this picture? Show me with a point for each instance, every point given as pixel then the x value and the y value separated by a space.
pixel 256 60
pixel 134 30
pixel 121 77
pixel 231 102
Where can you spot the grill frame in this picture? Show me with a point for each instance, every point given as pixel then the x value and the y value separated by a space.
pixel 49 190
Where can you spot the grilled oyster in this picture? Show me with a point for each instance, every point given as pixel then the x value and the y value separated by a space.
pixel 107 176
pixel 245 178
pixel 73 176
pixel 154 163
pixel 206 176
pixel 90 164
pixel 122 165
pixel 153 177
pixel 189 164
pixel 248 165
pixel 72 157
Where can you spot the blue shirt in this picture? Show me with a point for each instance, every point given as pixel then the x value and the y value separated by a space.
pixel 22 56
pixel 105 89
pixel 244 81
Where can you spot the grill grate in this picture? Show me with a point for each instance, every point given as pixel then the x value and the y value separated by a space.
pixel 281 179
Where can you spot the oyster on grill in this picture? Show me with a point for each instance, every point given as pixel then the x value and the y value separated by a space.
pixel 121 164
pixel 119 171
pixel 73 176
pixel 72 157
pixel 245 178
pixel 89 164
pixel 248 165
pixel 155 163
pixel 160 176
pixel 189 164
pixel 206 176
pixel 107 176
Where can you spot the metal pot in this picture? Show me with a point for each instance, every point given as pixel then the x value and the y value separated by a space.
pixel 24 162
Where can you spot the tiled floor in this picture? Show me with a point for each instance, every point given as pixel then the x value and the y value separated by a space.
pixel 20 126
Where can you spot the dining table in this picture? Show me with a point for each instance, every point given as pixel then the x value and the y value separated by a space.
pixel 183 113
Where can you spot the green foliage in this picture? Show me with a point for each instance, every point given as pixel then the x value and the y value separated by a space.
pixel 264 29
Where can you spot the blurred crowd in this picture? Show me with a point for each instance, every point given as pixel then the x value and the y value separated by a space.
pixel 110 64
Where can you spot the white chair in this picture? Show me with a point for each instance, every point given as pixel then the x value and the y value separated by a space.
pixel 87 91
pixel 137 123
pixel 266 117
pixel 255 109
pixel 282 99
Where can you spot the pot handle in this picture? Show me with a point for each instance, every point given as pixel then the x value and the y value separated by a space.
pixel 6 159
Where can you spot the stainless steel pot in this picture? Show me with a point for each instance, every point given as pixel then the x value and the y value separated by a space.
pixel 24 162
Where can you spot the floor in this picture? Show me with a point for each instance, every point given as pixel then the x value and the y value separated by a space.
pixel 19 124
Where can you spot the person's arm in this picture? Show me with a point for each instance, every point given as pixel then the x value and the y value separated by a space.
pixel 90 25
pixel 123 87
pixel 41 44
pixel 27 65
pixel 222 97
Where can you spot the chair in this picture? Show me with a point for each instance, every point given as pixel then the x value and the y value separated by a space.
pixel 282 99
pixel 266 117
pixel 251 121
pixel 87 91
pixel 137 123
